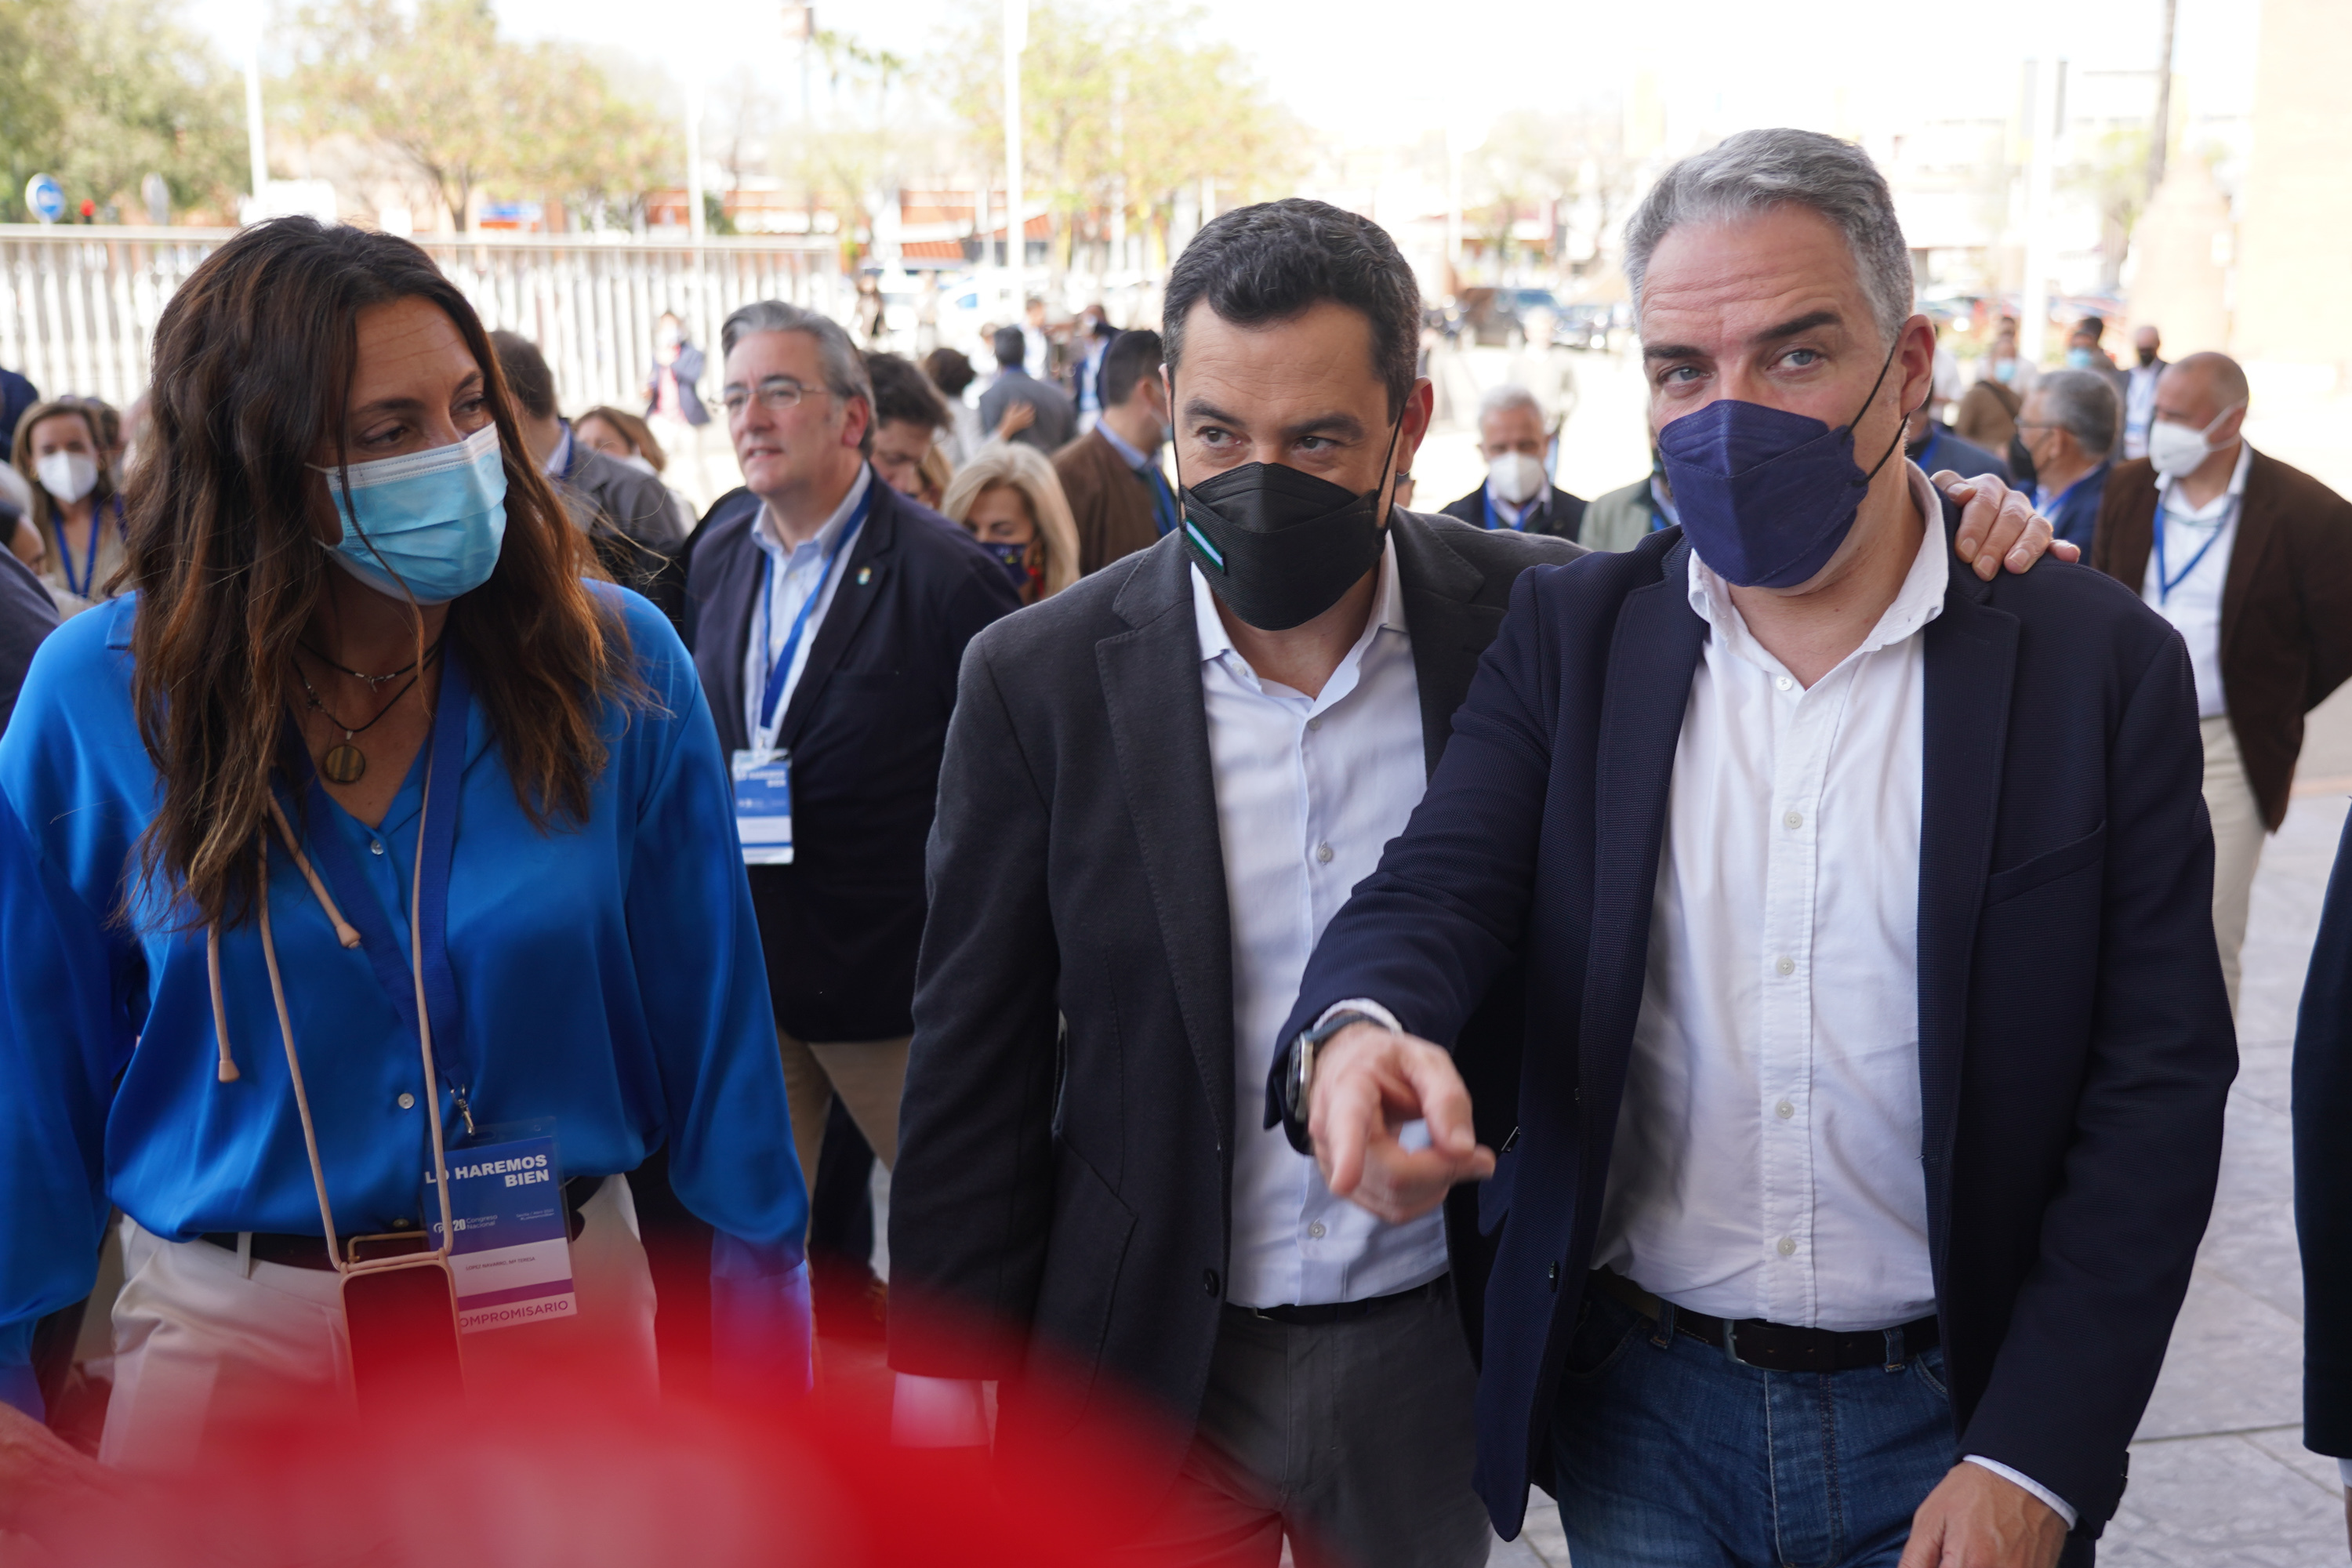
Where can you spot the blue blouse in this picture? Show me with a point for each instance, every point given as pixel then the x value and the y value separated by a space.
pixel 607 974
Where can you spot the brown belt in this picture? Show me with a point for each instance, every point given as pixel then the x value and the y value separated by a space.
pixel 1779 1347
pixel 297 1251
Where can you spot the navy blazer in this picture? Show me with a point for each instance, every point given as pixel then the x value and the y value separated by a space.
pixel 2076 518
pixel 1563 514
pixel 2323 1173
pixel 866 728
pixel 2076 1046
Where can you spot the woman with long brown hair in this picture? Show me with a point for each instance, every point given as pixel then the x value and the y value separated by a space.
pixel 405 857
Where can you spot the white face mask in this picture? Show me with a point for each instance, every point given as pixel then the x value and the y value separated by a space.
pixel 1516 478
pixel 69 476
pixel 2176 449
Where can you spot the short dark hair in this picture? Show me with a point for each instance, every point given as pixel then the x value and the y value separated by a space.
pixel 1010 346
pixel 901 392
pixel 2094 325
pixel 1131 357
pixel 950 371
pixel 1259 265
pixel 525 368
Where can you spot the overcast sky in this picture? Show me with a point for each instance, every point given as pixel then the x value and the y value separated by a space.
pixel 1379 69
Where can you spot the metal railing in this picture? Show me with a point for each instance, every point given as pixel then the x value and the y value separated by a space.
pixel 79 304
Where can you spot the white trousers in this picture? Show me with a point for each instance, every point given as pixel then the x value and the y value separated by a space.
pixel 2238 834
pixel 203 1340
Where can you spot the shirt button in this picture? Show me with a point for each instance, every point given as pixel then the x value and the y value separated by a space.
pixel 1208 1281
pixel 1784 1110
pixel 1794 819
pixel 1314 723
pixel 1315 1230
pixel 375 846
pixel 1784 683
pixel 1788 1247
pixel 1323 853
pixel 1785 966
pixel 407 1102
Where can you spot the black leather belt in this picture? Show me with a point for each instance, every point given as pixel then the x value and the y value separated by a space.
pixel 1316 1313
pixel 295 1251
pixel 1779 1347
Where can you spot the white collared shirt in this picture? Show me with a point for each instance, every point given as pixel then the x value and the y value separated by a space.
pixel 2194 603
pixel 1309 791
pixel 2140 407
pixel 1515 514
pixel 791 573
pixel 1767 1161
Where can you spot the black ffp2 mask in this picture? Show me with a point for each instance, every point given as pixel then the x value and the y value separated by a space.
pixel 1280 546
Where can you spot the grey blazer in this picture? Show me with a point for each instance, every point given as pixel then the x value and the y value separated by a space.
pixel 1065 1137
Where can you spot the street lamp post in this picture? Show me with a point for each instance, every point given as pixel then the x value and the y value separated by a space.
pixel 256 147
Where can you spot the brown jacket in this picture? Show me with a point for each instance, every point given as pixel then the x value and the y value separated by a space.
pixel 2287 605
pixel 1110 505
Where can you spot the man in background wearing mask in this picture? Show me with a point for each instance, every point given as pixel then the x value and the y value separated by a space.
pixel 2085 352
pixel 1159 784
pixel 2252 561
pixel 1119 497
pixel 1518 493
pixel 2068 426
pixel 2139 391
pixel 1878 1052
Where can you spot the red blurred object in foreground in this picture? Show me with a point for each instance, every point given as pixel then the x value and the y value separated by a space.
pixel 555 1476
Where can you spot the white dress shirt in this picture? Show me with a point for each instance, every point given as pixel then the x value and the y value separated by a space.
pixel 2140 407
pixel 2193 603
pixel 1767 1161
pixel 1309 791
pixel 793 573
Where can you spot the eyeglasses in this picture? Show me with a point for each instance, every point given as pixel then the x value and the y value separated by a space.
pixel 776 394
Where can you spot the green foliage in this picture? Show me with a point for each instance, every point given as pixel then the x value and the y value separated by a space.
pixel 435 85
pixel 102 92
pixel 1128 96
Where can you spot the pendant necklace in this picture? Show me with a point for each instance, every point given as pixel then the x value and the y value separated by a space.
pixel 346 763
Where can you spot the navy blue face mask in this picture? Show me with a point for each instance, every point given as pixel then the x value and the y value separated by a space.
pixel 1014 558
pixel 1765 496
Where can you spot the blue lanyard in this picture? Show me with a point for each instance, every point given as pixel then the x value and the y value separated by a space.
pixel 1494 518
pixel 1163 505
pixel 89 555
pixel 784 665
pixel 386 948
pixel 2165 582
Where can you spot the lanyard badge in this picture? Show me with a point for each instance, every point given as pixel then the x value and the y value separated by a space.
pixel 510 1241
pixel 763 805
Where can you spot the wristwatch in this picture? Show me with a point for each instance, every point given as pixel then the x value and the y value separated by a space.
pixel 1300 1079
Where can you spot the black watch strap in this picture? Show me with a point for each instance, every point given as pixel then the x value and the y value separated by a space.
pixel 1296 1071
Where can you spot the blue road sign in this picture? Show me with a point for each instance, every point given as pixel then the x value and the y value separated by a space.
pixel 46 197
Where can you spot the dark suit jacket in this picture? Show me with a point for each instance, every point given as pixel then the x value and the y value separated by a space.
pixel 865 727
pixel 628 517
pixel 1951 451
pixel 1110 504
pixel 1057 416
pixel 1562 517
pixel 2076 518
pixel 2287 605
pixel 2323 1173
pixel 1066 1140
pixel 2074 1039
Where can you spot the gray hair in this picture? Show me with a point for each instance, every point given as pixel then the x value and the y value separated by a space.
pixel 2080 403
pixel 1758 170
pixel 1504 398
pixel 843 366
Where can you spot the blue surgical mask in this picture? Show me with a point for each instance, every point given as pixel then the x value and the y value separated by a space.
pixel 1765 496
pixel 425 525
pixel 2079 359
pixel 1014 558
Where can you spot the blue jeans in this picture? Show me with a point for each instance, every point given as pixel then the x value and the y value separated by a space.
pixel 1670 1453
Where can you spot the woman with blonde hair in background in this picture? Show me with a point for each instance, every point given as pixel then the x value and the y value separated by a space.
pixel 74 535
pixel 1010 499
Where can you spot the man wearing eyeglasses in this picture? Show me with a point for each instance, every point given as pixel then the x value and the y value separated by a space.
pixel 827 614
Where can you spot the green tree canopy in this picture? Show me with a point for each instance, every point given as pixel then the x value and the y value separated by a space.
pixel 100 93
pixel 435 84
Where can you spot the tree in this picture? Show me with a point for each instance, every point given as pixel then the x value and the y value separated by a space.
pixel 102 92
pixel 1119 110
pixel 469 110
